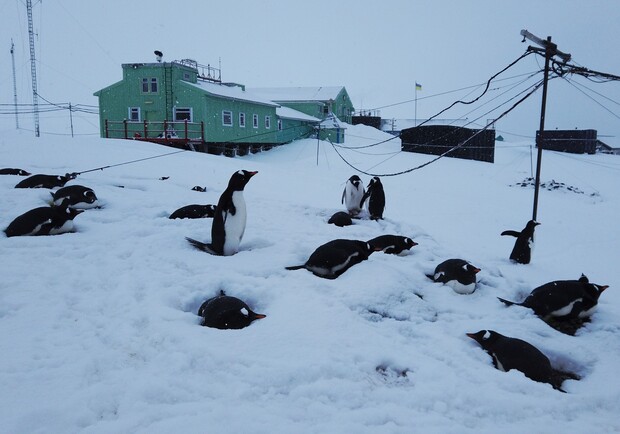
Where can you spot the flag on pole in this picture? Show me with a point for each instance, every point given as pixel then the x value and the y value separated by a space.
pixel 418 86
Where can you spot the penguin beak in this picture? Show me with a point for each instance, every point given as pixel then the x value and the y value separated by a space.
pixel 476 270
pixel 471 335
pixel 259 316
pixel 253 173
pixel 603 288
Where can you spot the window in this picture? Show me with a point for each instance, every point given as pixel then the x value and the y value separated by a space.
pixel 267 122
pixel 153 85
pixel 134 114
pixel 255 120
pixel 227 118
pixel 186 76
pixel 279 124
pixel 182 114
pixel 242 120
pixel 325 109
pixel 145 85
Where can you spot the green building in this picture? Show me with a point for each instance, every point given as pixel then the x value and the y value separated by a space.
pixel 185 104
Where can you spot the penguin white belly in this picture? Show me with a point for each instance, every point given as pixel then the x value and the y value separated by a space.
pixel 234 225
pixel 66 227
pixel 460 288
pixel 566 309
pixel 353 197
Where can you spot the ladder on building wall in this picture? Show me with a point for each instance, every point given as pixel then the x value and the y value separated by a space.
pixel 168 91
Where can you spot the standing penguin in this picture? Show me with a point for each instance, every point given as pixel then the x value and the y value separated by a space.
pixel 46 181
pixel 376 199
pixel 79 197
pixel 458 274
pixel 335 257
pixel 522 251
pixel 353 194
pixel 229 219
pixel 563 299
pixel 47 220
pixel 512 353
pixel 225 312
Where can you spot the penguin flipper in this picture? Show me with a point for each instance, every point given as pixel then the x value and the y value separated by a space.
pixel 202 246
pixel 508 302
pixel 364 197
pixel 343 193
pixel 296 267
pixel 511 233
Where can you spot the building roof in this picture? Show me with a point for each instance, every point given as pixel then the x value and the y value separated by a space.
pixel 332 122
pixel 289 113
pixel 290 94
pixel 231 92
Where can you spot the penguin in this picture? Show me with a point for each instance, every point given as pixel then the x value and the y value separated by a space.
pixel 10 171
pixel 46 181
pixel 79 197
pixel 563 299
pixel 459 274
pixel 194 212
pixel 229 219
pixel 392 244
pixel 376 199
pixel 47 220
pixel 522 250
pixel 335 257
pixel 353 194
pixel 225 312
pixel 512 353
pixel 341 219
pixel 199 188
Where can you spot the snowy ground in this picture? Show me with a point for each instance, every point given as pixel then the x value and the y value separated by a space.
pixel 100 332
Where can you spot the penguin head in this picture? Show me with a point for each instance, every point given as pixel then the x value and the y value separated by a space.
pixel 409 242
pixel 90 196
pixel 470 269
pixel 22 172
pixel 239 179
pixel 484 337
pixel 355 180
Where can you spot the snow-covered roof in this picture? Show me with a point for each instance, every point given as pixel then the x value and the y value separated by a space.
pixel 289 113
pixel 331 121
pixel 231 92
pixel 298 93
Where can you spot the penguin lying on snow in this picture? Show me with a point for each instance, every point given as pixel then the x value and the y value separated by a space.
pixel 458 274
pixel 353 194
pixel 79 197
pixel 225 312
pixel 229 219
pixel 11 171
pixel 512 353
pixel 340 219
pixel 394 244
pixel 46 181
pixel 522 250
pixel 335 257
pixel 48 220
pixel 194 211
pixel 563 299
pixel 376 199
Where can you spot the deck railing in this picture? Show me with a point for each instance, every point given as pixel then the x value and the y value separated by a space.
pixel 183 130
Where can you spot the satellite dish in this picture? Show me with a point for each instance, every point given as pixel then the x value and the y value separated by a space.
pixel 158 55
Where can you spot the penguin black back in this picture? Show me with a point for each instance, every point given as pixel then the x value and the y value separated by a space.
pixel 49 220
pixel 376 199
pixel 340 219
pixel 45 181
pixel 393 244
pixel 194 211
pixel 77 195
pixel 12 171
pixel 522 250
pixel 225 312
pixel 459 274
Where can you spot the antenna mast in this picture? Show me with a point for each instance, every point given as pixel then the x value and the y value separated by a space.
pixel 14 85
pixel 33 70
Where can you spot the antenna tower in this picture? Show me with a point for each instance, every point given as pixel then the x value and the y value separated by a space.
pixel 33 70
pixel 14 85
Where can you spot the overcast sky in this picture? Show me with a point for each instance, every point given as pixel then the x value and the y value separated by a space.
pixel 377 50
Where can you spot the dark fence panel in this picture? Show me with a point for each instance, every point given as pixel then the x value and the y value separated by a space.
pixel 437 139
pixel 572 141
pixel 371 121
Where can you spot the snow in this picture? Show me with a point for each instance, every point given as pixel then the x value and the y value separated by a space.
pixel 100 332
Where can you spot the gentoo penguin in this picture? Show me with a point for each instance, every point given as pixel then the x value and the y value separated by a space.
pixel 199 188
pixel 229 219
pixel 10 171
pixel 45 181
pixel 335 257
pixel 48 220
pixel 393 244
pixel 194 211
pixel 563 299
pixel 353 194
pixel 459 274
pixel 522 251
pixel 79 197
pixel 376 199
pixel 225 312
pixel 512 353
pixel 341 219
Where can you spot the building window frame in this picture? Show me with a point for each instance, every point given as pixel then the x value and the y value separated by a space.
pixel 279 124
pixel 182 114
pixel 268 122
pixel 227 118
pixel 255 120
pixel 134 114
pixel 242 119
pixel 154 85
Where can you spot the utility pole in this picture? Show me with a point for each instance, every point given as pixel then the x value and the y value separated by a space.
pixel 549 49
pixel 33 70
pixel 14 85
